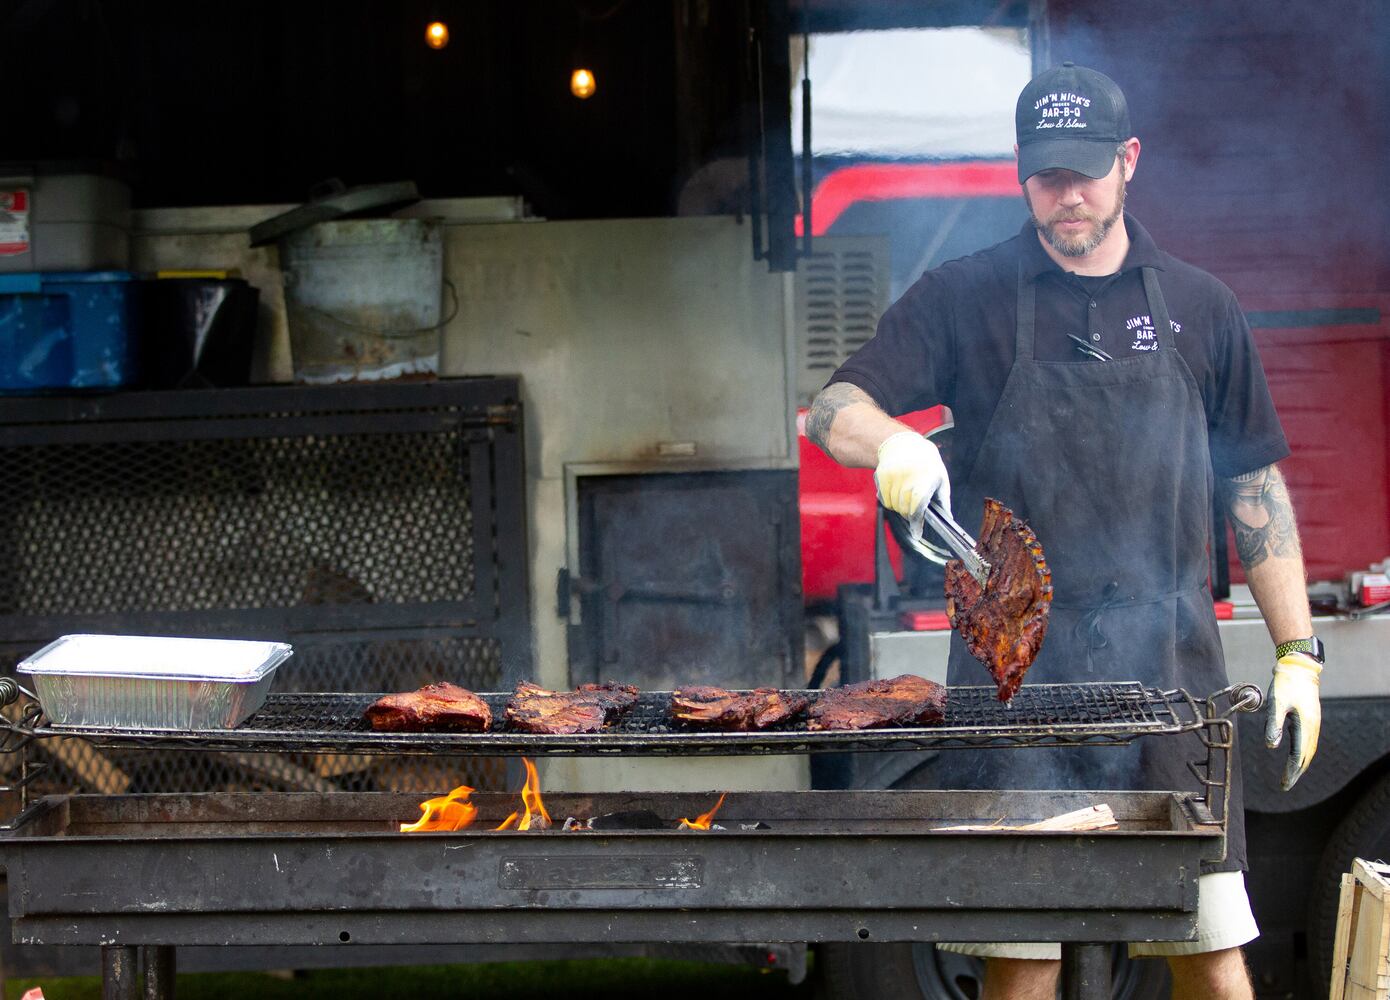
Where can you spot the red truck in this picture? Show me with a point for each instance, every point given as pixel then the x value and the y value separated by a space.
pixel 1327 358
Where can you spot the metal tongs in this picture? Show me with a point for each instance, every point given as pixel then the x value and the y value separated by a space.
pixel 956 538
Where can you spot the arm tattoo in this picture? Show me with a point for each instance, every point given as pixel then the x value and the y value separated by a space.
pixel 831 400
pixel 1262 517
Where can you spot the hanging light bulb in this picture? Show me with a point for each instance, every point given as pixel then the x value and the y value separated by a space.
pixel 437 35
pixel 582 83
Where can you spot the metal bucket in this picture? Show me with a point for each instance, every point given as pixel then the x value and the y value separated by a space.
pixel 363 299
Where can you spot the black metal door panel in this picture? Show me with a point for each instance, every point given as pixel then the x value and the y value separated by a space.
pixel 689 578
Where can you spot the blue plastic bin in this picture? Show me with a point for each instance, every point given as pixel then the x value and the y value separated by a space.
pixel 67 330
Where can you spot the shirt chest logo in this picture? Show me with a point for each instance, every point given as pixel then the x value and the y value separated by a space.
pixel 1140 330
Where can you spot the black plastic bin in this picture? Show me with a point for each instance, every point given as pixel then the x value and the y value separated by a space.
pixel 199 332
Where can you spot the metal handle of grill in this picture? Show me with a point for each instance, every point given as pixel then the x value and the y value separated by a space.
pixel 1239 698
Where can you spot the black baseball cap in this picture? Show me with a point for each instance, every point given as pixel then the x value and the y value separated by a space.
pixel 1070 117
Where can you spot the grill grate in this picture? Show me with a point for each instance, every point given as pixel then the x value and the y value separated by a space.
pixel 1040 715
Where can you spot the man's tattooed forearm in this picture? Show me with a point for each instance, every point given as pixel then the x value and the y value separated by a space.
pixel 1262 517
pixel 831 400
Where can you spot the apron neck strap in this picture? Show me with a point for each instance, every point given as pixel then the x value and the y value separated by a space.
pixel 1158 309
pixel 1027 311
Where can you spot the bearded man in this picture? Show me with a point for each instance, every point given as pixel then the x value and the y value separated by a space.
pixel 1102 389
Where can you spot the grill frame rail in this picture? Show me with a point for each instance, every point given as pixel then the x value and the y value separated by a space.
pixel 1090 714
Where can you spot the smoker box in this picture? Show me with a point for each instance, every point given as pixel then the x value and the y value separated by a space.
pixel 153 682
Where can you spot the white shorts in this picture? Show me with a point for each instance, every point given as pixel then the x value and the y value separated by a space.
pixel 1224 921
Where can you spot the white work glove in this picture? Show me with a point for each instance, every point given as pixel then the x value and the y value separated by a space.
pixel 1293 694
pixel 909 473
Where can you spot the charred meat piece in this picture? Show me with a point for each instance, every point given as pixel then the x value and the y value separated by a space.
pixel 906 700
pixel 714 708
pixel 533 709
pixel 1003 622
pixel 433 708
pixel 615 698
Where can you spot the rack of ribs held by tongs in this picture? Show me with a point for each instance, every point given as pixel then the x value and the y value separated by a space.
pixel 998 590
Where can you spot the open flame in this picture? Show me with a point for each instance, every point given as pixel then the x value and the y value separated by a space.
pixel 704 820
pixel 534 817
pixel 455 812
pixel 448 812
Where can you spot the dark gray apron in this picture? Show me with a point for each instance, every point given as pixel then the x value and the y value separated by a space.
pixel 1109 464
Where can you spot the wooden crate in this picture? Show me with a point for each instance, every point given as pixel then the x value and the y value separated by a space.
pixel 1361 948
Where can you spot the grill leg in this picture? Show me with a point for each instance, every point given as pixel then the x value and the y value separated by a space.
pixel 120 972
pixel 1085 971
pixel 159 972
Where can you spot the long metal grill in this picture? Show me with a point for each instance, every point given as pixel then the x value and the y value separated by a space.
pixel 367 525
pixel 1040 715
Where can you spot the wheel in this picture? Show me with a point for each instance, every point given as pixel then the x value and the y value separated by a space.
pixel 1364 832
pixel 913 971
pixel 921 972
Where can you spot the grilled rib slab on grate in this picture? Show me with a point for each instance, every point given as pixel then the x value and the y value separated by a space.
pixel 906 700
pixel 533 709
pixel 707 707
pixel 432 708
pixel 1003 623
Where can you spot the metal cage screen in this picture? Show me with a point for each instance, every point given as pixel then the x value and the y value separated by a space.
pixel 372 545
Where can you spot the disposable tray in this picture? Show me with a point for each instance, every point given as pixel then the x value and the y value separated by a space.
pixel 153 682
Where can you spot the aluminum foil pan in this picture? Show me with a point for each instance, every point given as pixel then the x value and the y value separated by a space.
pixel 153 682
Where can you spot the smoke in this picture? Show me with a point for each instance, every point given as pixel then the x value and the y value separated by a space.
pixel 1263 129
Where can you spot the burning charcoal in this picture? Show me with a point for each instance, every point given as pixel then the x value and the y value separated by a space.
pixel 704 821
pixel 630 819
pixel 572 824
pixel 533 814
pixel 760 825
pixel 448 812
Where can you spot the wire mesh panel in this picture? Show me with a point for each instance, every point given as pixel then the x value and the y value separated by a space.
pixel 139 526
pixel 379 529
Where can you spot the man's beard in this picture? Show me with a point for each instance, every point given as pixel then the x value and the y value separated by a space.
pixel 1078 246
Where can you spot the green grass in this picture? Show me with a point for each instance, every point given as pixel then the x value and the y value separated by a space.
pixel 596 979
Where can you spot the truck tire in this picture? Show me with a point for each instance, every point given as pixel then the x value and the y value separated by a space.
pixel 1364 832
pixel 921 972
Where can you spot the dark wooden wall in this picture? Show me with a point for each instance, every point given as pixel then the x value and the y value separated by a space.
pixel 1266 161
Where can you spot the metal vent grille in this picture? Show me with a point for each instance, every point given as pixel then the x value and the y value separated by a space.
pixel 378 528
pixel 840 294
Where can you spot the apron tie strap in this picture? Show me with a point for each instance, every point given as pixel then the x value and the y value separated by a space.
pixel 1087 627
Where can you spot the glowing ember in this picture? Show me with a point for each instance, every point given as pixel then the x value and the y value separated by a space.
pixel 448 812
pixel 535 817
pixel 704 820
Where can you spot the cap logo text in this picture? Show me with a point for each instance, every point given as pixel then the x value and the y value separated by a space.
pixel 1061 110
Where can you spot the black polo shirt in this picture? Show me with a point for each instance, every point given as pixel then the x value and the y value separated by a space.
pixel 950 339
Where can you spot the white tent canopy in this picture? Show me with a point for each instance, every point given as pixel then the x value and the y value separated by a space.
pixel 938 92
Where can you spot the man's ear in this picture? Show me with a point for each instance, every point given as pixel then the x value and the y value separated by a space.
pixel 1131 157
